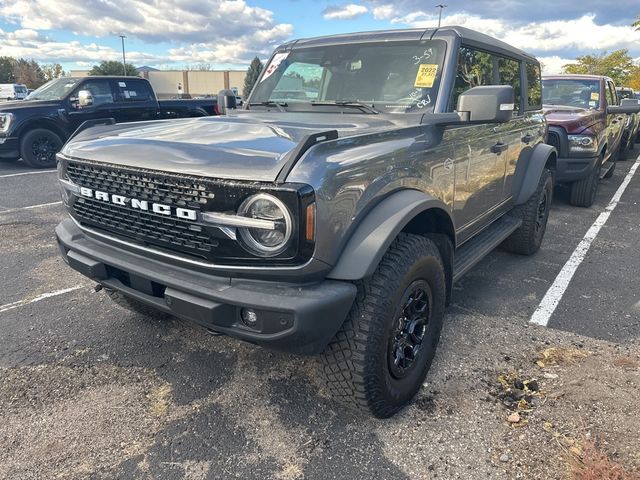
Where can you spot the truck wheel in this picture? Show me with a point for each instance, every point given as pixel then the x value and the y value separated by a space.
pixel 526 240
pixel 39 146
pixel 583 192
pixel 378 360
pixel 135 306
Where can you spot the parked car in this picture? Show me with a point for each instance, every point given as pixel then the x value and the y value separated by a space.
pixel 13 91
pixel 36 129
pixel 586 125
pixel 335 226
pixel 631 133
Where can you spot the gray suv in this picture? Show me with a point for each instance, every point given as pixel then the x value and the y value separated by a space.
pixel 332 214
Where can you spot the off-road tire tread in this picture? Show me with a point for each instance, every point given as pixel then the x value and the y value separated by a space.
pixel 582 194
pixel 522 241
pixel 345 359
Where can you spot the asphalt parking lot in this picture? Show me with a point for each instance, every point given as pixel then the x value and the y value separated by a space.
pixel 89 390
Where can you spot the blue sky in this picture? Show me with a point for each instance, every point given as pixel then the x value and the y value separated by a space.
pixel 228 33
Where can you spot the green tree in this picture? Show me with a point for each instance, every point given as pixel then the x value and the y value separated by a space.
pixel 6 70
pixel 28 72
pixel 253 72
pixel 636 24
pixel 618 65
pixel 52 71
pixel 112 67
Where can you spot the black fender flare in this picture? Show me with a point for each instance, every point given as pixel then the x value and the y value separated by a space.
pixel 377 230
pixel 528 172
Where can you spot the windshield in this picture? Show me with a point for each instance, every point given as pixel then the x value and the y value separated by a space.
pixel 395 77
pixel 571 93
pixel 54 90
pixel 21 89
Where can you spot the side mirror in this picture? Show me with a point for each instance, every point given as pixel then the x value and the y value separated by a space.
pixel 85 99
pixel 627 105
pixel 487 104
pixel 226 101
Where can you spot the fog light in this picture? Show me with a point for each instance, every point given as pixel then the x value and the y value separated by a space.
pixel 249 317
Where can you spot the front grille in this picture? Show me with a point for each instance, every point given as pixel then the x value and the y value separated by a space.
pixel 168 232
pixel 178 191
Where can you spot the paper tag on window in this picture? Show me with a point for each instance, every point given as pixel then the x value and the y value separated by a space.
pixel 132 93
pixel 426 75
pixel 122 84
pixel 273 66
pixel 126 94
pixel 595 96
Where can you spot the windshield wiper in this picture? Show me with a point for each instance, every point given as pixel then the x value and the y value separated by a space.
pixel 270 103
pixel 347 103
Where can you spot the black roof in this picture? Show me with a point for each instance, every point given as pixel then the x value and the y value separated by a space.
pixel 467 35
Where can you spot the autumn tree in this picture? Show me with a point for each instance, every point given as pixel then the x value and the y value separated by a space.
pixel 52 71
pixel 253 72
pixel 112 67
pixel 618 65
pixel 28 72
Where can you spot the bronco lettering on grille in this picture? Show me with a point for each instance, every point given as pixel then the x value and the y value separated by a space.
pixel 159 208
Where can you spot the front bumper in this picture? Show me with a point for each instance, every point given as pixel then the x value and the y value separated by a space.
pixel 571 169
pixel 291 317
pixel 9 147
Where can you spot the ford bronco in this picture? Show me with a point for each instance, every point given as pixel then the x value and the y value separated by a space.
pixel 332 221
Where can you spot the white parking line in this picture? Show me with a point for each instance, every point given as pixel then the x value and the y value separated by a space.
pixel 553 296
pixel 26 173
pixel 30 207
pixel 20 303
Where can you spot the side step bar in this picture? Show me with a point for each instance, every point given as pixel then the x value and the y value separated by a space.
pixel 606 166
pixel 478 247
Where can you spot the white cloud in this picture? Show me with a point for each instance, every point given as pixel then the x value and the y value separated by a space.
pixel 553 64
pixel 581 33
pixel 344 12
pixel 224 31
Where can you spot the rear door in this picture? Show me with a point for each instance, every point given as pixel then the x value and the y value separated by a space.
pixel 135 101
pixel 615 122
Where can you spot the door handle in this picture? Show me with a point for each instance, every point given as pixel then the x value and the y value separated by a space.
pixel 527 138
pixel 499 148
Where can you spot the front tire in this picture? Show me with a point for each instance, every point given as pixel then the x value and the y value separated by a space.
pixel 378 360
pixel 39 146
pixel 583 192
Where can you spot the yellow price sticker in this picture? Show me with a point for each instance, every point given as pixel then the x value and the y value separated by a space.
pixel 426 75
pixel 595 96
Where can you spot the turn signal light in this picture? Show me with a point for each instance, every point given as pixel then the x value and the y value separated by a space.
pixel 310 230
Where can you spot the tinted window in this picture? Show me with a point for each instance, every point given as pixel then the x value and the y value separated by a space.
pixel 133 91
pixel 394 77
pixel 534 85
pixel 476 68
pixel 100 91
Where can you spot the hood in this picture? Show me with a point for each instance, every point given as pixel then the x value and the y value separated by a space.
pixel 14 105
pixel 245 146
pixel 572 119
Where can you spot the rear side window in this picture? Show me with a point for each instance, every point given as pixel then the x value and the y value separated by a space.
pixel 133 91
pixel 534 86
pixel 476 68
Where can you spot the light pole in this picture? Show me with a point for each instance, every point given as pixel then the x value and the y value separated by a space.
pixel 124 62
pixel 441 7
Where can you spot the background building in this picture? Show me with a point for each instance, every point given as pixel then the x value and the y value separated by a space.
pixel 169 83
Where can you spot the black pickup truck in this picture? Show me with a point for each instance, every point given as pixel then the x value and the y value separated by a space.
pixel 36 128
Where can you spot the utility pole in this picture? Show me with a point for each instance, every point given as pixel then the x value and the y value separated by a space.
pixel 124 62
pixel 441 7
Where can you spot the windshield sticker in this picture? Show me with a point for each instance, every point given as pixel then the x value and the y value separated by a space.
pixel 424 102
pixel 273 66
pixel 593 104
pixel 122 84
pixel 595 96
pixel 426 75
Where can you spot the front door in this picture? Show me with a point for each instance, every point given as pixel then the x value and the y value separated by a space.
pixel 102 106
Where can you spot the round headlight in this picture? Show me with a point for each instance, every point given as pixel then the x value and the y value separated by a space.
pixel 273 236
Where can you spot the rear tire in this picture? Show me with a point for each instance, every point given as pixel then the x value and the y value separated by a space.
pixel 39 146
pixel 379 358
pixel 583 192
pixel 526 240
pixel 135 306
